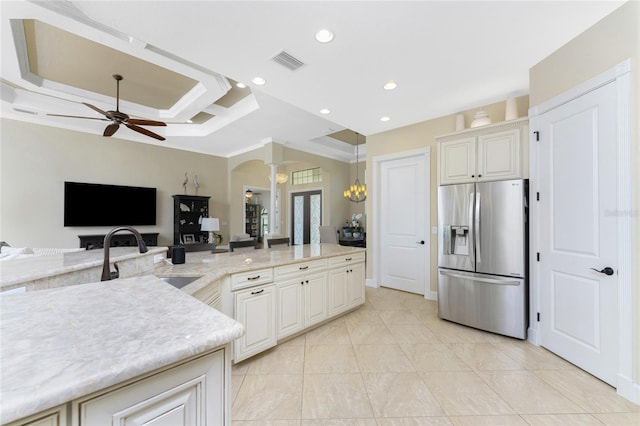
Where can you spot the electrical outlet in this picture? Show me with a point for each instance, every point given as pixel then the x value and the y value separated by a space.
pixel 434 230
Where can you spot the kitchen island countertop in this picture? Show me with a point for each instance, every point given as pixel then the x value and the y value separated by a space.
pixel 64 343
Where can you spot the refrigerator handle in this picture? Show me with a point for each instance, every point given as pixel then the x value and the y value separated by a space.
pixel 471 225
pixel 477 229
pixel 494 280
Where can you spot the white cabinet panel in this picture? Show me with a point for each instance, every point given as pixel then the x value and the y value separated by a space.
pixel 189 394
pixel 290 307
pixel 499 156
pixel 255 308
pixel 315 298
pixel 338 289
pixel 458 160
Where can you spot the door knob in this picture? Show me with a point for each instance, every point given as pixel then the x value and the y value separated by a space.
pixel 420 242
pixel 606 271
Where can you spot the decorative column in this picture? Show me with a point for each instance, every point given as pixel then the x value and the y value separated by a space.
pixel 272 206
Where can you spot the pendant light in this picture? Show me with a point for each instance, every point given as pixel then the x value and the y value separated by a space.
pixel 356 192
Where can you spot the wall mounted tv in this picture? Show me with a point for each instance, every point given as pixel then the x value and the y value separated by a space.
pixel 91 204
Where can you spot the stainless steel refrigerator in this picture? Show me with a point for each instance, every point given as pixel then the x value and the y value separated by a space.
pixel 482 255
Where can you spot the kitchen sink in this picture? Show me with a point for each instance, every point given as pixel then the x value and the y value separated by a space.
pixel 179 282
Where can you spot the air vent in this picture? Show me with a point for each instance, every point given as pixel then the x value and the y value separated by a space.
pixel 288 61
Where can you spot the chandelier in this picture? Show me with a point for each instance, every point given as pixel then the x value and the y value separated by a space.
pixel 280 178
pixel 356 192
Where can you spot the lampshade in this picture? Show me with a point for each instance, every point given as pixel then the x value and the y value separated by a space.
pixel 248 193
pixel 210 224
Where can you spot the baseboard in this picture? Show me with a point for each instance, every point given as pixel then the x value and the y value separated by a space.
pixel 370 283
pixel 431 295
pixel 532 336
pixel 627 389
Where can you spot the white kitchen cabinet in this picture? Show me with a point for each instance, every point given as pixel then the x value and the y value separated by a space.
pixel 494 152
pixel 255 308
pixel 192 393
pixel 457 160
pixel 302 296
pixel 53 417
pixel 346 283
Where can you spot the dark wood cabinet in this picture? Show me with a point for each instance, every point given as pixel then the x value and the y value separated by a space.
pixel 91 242
pixel 188 210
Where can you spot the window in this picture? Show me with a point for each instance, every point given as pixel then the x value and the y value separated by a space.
pixel 301 177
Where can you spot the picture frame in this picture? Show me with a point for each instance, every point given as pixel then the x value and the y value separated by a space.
pixel 188 238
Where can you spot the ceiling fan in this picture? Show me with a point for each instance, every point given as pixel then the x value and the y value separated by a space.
pixel 117 118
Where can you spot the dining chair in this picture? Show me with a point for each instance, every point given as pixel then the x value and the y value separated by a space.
pixel 328 235
pixel 238 244
pixel 275 241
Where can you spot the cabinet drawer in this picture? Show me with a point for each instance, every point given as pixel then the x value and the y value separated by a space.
pixel 298 268
pixel 346 259
pixel 251 278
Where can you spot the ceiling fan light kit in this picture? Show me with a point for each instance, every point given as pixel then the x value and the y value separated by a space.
pixel 117 118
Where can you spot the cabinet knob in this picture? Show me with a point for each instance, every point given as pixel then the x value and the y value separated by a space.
pixel 479 175
pixel 473 175
pixel 257 292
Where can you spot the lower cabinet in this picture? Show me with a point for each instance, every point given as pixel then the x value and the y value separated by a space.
pixel 190 394
pixel 255 308
pixel 277 303
pixel 346 283
pixel 302 302
pixel 53 417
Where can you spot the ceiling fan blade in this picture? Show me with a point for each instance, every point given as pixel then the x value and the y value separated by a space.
pixel 95 108
pixel 78 116
pixel 144 131
pixel 141 122
pixel 111 129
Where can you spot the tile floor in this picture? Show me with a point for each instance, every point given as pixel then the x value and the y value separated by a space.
pixel 393 362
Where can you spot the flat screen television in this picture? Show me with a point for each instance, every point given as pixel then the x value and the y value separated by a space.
pixel 91 204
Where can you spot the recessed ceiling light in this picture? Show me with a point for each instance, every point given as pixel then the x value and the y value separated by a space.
pixel 385 118
pixel 258 81
pixel 390 85
pixel 325 111
pixel 324 35
pixel 241 85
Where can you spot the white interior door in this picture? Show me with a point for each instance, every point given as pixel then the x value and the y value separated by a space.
pixel 579 231
pixel 404 224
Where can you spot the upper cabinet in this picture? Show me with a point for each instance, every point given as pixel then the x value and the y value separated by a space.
pixel 493 152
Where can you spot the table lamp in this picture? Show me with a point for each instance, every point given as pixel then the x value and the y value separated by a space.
pixel 210 224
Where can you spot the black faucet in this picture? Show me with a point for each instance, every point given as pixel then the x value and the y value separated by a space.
pixel 106 271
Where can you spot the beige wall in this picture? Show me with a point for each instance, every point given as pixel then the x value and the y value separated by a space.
pixel 423 135
pixel 609 42
pixel 35 161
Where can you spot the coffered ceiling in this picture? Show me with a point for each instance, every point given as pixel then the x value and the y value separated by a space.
pixel 181 61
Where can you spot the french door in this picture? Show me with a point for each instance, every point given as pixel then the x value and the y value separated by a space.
pixel 306 214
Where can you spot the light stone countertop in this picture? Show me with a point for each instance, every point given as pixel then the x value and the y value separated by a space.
pixel 16 271
pixel 64 343
pixel 212 267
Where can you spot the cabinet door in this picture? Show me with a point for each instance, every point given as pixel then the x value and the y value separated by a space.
pixel 457 160
pixel 355 285
pixel 189 394
pixel 53 417
pixel 338 290
pixel 255 309
pixel 290 307
pixel 499 156
pixel 315 298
